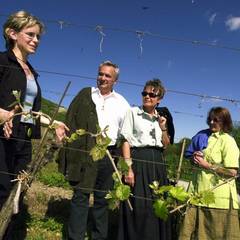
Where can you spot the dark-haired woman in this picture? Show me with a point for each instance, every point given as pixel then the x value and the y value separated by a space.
pixel 216 153
pixel 145 136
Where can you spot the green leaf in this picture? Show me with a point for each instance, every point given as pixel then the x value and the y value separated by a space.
pixel 17 95
pixel 207 197
pixel 113 203
pixel 164 188
pixel 74 136
pixel 195 199
pixel 179 193
pixel 122 166
pixel 109 195
pixel 103 141
pixel 115 178
pixel 160 209
pixel 98 153
pixel 154 185
pixel 29 132
pixel 123 192
pixel 81 132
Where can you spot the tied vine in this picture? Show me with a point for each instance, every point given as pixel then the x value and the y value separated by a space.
pixel 167 199
pixel 120 191
pixel 102 141
pixel 28 114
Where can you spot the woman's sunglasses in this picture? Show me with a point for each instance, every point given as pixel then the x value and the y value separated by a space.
pixel 216 120
pixel 150 94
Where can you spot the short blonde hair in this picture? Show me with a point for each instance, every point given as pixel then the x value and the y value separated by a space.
pixel 17 21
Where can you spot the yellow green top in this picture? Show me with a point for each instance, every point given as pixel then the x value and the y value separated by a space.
pixel 222 151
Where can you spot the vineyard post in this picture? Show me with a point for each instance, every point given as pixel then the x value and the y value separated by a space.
pixel 180 161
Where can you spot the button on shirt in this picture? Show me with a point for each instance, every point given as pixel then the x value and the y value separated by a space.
pixel 140 129
pixel 110 111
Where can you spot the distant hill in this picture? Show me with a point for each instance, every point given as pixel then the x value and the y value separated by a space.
pixel 50 107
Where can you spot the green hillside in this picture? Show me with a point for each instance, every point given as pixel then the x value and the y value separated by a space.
pixel 50 107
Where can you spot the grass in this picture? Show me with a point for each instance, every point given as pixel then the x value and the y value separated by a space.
pixel 46 207
pixel 51 177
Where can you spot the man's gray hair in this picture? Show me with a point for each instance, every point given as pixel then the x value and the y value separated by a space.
pixel 110 64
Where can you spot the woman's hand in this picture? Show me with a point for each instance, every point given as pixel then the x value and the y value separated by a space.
pixel 162 122
pixel 198 159
pixel 7 129
pixel 6 116
pixel 129 179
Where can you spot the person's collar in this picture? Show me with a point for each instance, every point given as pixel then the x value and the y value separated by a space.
pixel 141 112
pixel 12 57
pixel 96 90
pixel 217 134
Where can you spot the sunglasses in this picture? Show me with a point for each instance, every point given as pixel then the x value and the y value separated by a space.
pixel 32 35
pixel 150 94
pixel 216 120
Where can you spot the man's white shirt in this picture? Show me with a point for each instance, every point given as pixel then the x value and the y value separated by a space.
pixel 111 110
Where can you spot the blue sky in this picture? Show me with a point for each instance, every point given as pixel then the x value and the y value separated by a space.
pixel 182 66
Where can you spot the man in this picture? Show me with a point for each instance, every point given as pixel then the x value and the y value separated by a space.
pixel 91 107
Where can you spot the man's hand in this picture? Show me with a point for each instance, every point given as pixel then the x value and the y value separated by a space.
pixel 60 130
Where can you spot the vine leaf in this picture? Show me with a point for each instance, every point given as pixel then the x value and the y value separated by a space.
pixel 179 193
pixel 120 191
pixel 168 197
pixel 113 203
pixel 123 192
pixel 207 197
pixel 160 209
pixel 98 152
pixel 17 95
pixel 115 178
pixel 195 199
pixel 122 166
pixel 81 132
pixel 29 132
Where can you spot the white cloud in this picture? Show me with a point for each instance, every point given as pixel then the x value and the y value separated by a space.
pixel 212 18
pixel 233 23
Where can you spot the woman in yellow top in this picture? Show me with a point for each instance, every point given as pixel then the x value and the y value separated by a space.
pixel 218 161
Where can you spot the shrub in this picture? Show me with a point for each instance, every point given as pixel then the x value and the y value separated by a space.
pixel 51 177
